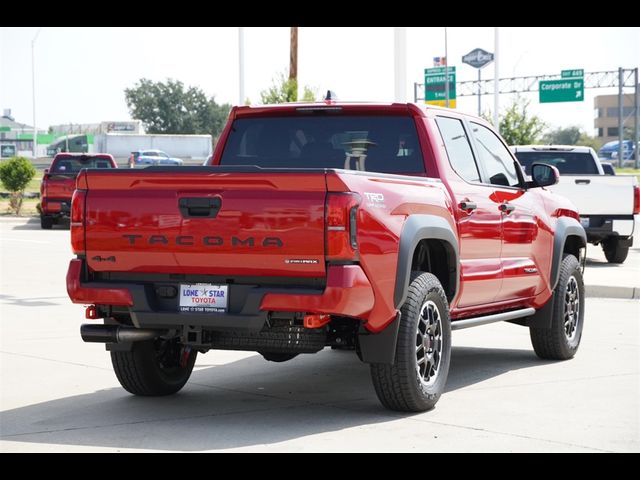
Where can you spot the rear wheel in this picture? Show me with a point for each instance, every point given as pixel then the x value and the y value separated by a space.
pixel 561 340
pixel 154 367
pixel 614 250
pixel 46 222
pixel 277 356
pixel 417 378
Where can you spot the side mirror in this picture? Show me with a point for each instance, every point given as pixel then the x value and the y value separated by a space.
pixel 46 171
pixel 544 175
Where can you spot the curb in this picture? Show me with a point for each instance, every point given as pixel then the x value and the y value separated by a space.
pixel 608 291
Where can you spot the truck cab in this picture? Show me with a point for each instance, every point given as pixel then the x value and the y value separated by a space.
pixel 59 181
pixel 378 227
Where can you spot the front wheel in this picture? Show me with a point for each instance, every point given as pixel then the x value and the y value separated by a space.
pixel 561 340
pixel 614 251
pixel 417 378
pixel 154 367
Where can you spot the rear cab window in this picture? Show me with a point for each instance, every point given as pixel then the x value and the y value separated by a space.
pixel 567 163
pixel 73 165
pixel 386 144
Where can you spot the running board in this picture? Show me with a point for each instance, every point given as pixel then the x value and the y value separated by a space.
pixel 498 317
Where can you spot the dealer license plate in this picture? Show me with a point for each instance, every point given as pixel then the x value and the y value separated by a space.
pixel 204 298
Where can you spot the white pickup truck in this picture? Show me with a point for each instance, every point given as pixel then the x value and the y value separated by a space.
pixel 609 205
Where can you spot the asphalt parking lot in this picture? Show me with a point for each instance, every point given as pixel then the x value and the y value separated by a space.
pixel 60 394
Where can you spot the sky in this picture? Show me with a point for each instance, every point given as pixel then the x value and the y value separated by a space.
pixel 81 72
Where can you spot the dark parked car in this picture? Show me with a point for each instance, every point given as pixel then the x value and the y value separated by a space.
pixel 152 157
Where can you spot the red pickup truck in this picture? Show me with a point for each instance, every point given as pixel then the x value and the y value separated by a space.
pixel 380 227
pixel 59 182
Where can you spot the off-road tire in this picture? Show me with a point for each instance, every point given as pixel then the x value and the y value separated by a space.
pixel 614 251
pixel 141 372
pixel 562 339
pixel 402 386
pixel 278 357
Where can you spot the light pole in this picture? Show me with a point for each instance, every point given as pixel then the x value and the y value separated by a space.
pixel 496 80
pixel 33 83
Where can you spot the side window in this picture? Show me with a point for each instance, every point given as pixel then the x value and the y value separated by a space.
pixel 494 157
pixel 458 148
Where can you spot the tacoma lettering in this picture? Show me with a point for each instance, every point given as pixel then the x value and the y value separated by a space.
pixel 210 241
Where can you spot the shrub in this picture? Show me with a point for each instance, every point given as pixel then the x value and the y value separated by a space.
pixel 15 175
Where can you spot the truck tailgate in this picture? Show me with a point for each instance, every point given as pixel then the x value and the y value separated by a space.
pixel 59 186
pixel 598 194
pixel 206 221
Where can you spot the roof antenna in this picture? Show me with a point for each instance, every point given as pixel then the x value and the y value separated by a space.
pixel 331 96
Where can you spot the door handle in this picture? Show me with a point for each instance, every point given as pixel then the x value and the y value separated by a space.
pixel 582 181
pixel 506 208
pixel 200 206
pixel 467 206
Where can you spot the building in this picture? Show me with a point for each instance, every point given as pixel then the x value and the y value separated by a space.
pixel 17 138
pixel 606 116
pixel 128 126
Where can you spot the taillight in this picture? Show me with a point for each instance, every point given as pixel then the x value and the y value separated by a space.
pixel 636 200
pixel 77 221
pixel 341 224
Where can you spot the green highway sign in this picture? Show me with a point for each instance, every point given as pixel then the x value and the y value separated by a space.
pixel 434 86
pixel 578 73
pixel 569 90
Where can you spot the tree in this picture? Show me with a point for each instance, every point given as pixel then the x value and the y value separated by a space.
pixel 589 141
pixel 572 135
pixel 285 90
pixel 15 175
pixel 169 107
pixel 517 125
pixel 563 136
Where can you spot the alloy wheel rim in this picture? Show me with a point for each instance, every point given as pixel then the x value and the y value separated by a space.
pixel 571 309
pixel 428 343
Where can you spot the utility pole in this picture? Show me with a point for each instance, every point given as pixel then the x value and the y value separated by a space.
pixel 293 58
pixel 241 96
pixel 400 63
pixel 620 112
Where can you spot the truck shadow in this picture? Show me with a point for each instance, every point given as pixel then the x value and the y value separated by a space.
pixel 34 224
pixel 247 403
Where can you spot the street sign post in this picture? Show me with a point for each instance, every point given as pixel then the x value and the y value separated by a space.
pixel 434 86
pixel 478 58
pixel 569 89
pixel 577 73
pixel 7 150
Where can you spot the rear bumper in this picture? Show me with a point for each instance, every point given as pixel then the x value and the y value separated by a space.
pixel 602 227
pixel 347 293
pixel 55 206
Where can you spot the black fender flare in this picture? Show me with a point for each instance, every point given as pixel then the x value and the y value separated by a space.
pixel 381 347
pixel 425 227
pixel 565 227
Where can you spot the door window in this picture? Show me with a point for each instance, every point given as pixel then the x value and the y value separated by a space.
pixel 496 159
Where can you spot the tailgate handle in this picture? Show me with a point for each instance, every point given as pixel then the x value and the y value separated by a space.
pixel 204 207
pixel 580 181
